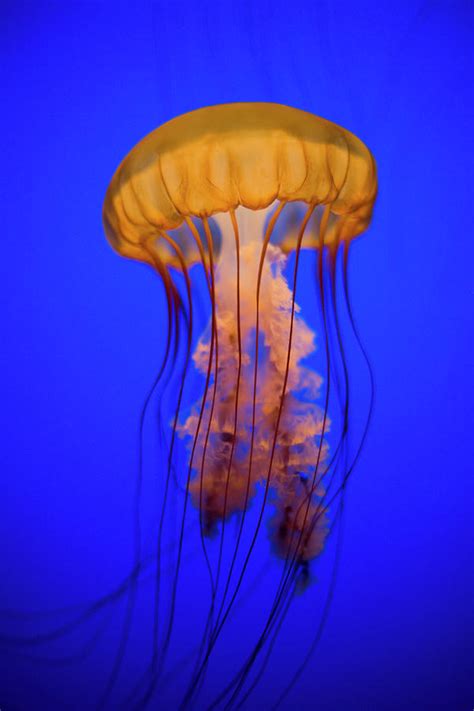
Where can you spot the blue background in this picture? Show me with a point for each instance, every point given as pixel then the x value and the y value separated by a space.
pixel 81 329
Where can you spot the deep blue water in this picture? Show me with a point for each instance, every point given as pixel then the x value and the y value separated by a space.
pixel 82 335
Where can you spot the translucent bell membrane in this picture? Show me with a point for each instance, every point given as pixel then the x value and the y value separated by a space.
pixel 249 433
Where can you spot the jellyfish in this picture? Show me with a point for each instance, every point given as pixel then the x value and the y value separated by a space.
pixel 237 193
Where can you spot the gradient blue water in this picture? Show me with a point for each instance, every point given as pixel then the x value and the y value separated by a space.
pixel 81 331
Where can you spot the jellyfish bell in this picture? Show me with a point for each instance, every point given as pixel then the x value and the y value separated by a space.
pixel 218 158
pixel 235 189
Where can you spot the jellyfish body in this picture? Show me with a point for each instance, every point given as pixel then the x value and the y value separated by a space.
pixel 234 190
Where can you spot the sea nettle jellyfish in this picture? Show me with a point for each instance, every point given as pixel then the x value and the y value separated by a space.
pixel 236 192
